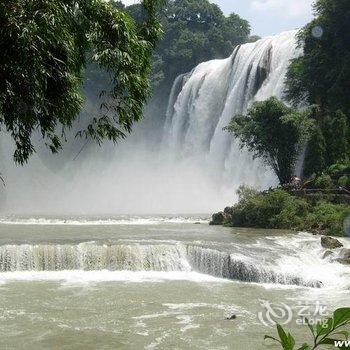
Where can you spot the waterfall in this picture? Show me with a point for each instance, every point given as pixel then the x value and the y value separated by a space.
pixel 227 265
pixel 90 256
pixel 197 166
pixel 144 257
pixel 217 90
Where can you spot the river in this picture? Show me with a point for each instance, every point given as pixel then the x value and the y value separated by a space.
pixel 157 282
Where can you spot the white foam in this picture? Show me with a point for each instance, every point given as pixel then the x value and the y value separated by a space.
pixel 81 277
pixel 304 257
pixel 101 222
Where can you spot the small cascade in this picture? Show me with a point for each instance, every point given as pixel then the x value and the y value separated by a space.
pixel 226 265
pixel 90 256
pixel 232 264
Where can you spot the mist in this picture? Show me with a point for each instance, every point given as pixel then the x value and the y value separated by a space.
pixel 179 162
pixel 132 177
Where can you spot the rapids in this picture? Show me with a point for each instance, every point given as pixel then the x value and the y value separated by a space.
pixel 295 260
pixel 155 282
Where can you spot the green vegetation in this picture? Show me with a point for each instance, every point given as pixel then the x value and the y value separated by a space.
pixel 334 177
pixel 45 46
pixel 281 209
pixel 321 77
pixel 195 31
pixel 275 133
pixel 320 205
pixel 326 332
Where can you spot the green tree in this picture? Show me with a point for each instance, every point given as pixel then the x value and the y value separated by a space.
pixel 195 31
pixel 275 133
pixel 338 143
pixel 253 38
pixel 45 46
pixel 322 75
pixel 315 157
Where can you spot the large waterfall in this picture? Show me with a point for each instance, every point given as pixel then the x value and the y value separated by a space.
pixel 217 90
pixel 196 168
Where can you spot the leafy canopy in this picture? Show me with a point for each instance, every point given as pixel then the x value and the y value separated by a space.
pixel 275 133
pixel 195 31
pixel 322 75
pixel 45 46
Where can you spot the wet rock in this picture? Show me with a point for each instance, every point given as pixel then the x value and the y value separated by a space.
pixel 344 257
pixel 319 284
pixel 233 317
pixel 344 261
pixel 345 254
pixel 330 243
pixel 217 219
pixel 222 217
pixel 327 253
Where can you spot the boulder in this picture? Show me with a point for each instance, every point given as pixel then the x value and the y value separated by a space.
pixel 330 243
pixel 345 254
pixel 217 219
pixel 327 253
pixel 232 317
pixel 344 257
pixel 344 261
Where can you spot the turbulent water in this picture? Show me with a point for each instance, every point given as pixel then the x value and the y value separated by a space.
pixel 293 260
pixel 197 166
pixel 154 282
pixel 142 257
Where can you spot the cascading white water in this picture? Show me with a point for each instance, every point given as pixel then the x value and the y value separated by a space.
pixel 89 256
pixel 296 260
pixel 217 90
pixel 224 264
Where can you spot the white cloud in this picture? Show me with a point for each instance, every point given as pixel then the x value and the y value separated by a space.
pixel 289 8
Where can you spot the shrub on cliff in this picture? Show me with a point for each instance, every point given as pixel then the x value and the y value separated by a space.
pixel 344 181
pixel 324 182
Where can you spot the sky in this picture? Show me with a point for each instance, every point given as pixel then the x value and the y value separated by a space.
pixel 267 17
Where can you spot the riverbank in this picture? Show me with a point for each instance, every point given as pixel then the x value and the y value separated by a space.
pixel 279 208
